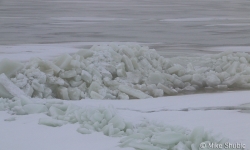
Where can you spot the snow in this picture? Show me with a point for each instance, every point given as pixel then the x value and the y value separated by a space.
pixel 219 112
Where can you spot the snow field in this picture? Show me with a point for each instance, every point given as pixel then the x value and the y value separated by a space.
pixel 145 135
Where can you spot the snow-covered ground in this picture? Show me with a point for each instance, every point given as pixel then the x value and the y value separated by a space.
pixel 220 112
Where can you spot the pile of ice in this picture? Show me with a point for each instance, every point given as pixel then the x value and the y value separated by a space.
pixel 125 72
pixel 143 136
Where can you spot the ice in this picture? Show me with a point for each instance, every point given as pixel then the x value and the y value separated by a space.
pixel 95 95
pixel 10 119
pixel 107 68
pixel 212 80
pixel 86 76
pixel 62 93
pixel 123 96
pixel 117 122
pixel 68 74
pixel 55 80
pixel 95 86
pixel 49 65
pixel 10 67
pixel 197 135
pixel 232 69
pixel 18 110
pixel 155 78
pixel 167 138
pixel 83 131
pixel 74 93
pixel 175 68
pixel 231 80
pixel 54 111
pixel 51 122
pixel 128 64
pixel 85 53
pixel 133 77
pixel 133 92
pixel 38 87
pixel 63 61
pixel 35 108
pixel 167 90
pixel 181 146
pixel 8 89
pixel 197 80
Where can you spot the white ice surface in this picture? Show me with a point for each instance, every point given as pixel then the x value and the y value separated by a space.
pixel 28 135
pixel 44 51
pixel 230 49
pixel 230 123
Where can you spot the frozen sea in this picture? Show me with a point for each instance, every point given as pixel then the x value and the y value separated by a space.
pixel 47 28
pixel 172 27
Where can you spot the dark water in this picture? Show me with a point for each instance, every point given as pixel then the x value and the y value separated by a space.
pixel 180 27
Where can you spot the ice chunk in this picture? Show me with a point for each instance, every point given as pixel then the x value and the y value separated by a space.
pixel 158 92
pixel 83 87
pixel 186 78
pixel 75 64
pixel 18 110
pixel 86 76
pixel 63 61
pixel 8 89
pixel 197 80
pixel 155 78
pixel 243 60
pixel 167 90
pixel 212 80
pixel 83 131
pixel 95 86
pixel 168 138
pixel 111 68
pixel 95 95
pixel 47 92
pixel 28 90
pixel 34 108
pixel 10 67
pixel 175 68
pixel 85 53
pixel 106 74
pixel 62 93
pixel 135 63
pixel 20 82
pixel 37 86
pixel 117 122
pixel 134 77
pixel 123 96
pixel 230 81
pixel 180 146
pixel 55 111
pixel 74 93
pixel 55 80
pixel 50 65
pixel 133 92
pixel 68 74
pixel 128 63
pixel 121 73
pixel 232 69
pixel 197 135
pixel 51 122
pixel 10 119
pixel 24 100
